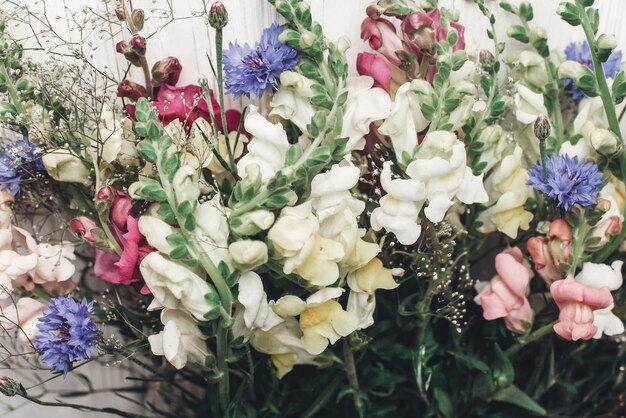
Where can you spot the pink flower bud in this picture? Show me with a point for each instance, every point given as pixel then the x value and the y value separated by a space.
pixel 106 194
pixel 377 68
pixel 166 71
pixel 129 53
pixel 82 228
pixel 218 16
pixel 131 90
pixel 138 43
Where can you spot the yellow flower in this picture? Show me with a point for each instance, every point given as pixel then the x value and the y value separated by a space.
pixel 325 323
pixel 372 277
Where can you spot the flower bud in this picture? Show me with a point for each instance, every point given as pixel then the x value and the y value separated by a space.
pixel 83 228
pixel 137 17
pixel 538 33
pixel 374 11
pixel 343 44
pixel 139 44
pixel 120 13
pixel 607 41
pixel 185 184
pixel 604 142
pixel 252 223
pixel 307 39
pixel 131 90
pixel 126 49
pixel 487 60
pixel 11 387
pixel 247 254
pixel 542 127
pixel 491 135
pixel 571 69
pixel 166 71
pixel 418 30
pixel 218 16
pixel 106 194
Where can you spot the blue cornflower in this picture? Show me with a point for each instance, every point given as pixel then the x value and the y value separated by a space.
pixel 16 161
pixel 67 333
pixel 570 181
pixel 581 53
pixel 253 71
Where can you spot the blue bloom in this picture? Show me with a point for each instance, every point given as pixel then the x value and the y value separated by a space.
pixel 16 161
pixel 570 181
pixel 67 333
pixel 253 71
pixel 581 53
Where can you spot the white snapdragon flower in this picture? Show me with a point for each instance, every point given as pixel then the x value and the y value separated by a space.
pixel 598 276
pixel 528 106
pixel 181 341
pixel 400 207
pixel 254 312
pixel 54 263
pixel 212 229
pixel 440 165
pixel 406 118
pixel 247 254
pixel 365 105
pixel 292 100
pixel 508 191
pixel 268 145
pixel 330 191
pixel 115 139
pixel 64 166
pixel 175 286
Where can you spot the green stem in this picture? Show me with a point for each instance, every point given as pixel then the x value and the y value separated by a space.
pixel 15 98
pixel 112 411
pixel 220 90
pixel 350 368
pixel 611 116
pixel 578 243
pixel 533 336
pixel 323 399
pixel 542 153
pixel 423 307
pixel 222 365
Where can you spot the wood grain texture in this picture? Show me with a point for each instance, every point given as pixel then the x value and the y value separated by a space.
pixel 190 39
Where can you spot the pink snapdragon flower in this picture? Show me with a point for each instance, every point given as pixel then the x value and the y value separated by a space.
pixel 610 224
pixel 382 37
pixel 124 268
pixel 375 67
pixel 83 228
pixel 576 303
pixel 505 295
pixel 548 253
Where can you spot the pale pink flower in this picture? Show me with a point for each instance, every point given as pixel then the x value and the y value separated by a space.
pixel 576 303
pixel 382 37
pixel 375 67
pixel 548 253
pixel 505 296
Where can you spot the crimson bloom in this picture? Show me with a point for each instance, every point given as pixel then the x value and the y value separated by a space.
pixel 377 68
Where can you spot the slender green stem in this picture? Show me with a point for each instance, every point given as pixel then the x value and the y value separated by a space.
pixel 220 89
pixel 533 336
pixel 542 153
pixel 578 243
pixel 423 307
pixel 222 364
pixel 611 116
pixel 323 399
pixel 350 368
pixel 112 411
pixel 15 98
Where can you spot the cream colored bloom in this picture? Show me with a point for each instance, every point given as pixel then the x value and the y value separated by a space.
pixel 268 145
pixel 181 341
pixel 531 69
pixel 247 254
pixel 528 105
pixel 253 311
pixel 365 105
pixel 156 232
pixel 212 229
pixel 115 140
pixel 322 319
pixel 64 166
pixel 175 286
pixel 292 100
pixel 55 263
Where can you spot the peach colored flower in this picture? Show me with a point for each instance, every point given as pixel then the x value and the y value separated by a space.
pixel 549 252
pixel 577 303
pixel 505 295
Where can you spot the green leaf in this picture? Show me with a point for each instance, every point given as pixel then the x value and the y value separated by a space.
pixel 515 396
pixel 594 19
pixel 519 33
pixel 179 253
pixel 502 369
pixel 470 362
pixel 190 223
pixel 148 189
pixel 445 404
pixel 213 302
pixel 619 87
pixel 166 213
pixel 294 152
pixel 175 239
pixel 146 150
pixel 570 13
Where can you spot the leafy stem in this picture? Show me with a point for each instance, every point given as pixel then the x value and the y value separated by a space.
pixel 533 336
pixel 353 380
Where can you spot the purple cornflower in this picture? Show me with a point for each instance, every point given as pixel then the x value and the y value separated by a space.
pixel 251 72
pixel 581 53
pixel 569 181
pixel 16 161
pixel 66 333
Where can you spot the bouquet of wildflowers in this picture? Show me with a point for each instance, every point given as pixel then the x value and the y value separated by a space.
pixel 433 230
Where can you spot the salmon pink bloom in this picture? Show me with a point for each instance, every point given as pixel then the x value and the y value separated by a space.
pixel 548 253
pixel 577 303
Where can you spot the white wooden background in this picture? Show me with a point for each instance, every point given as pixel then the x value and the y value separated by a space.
pixel 190 39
